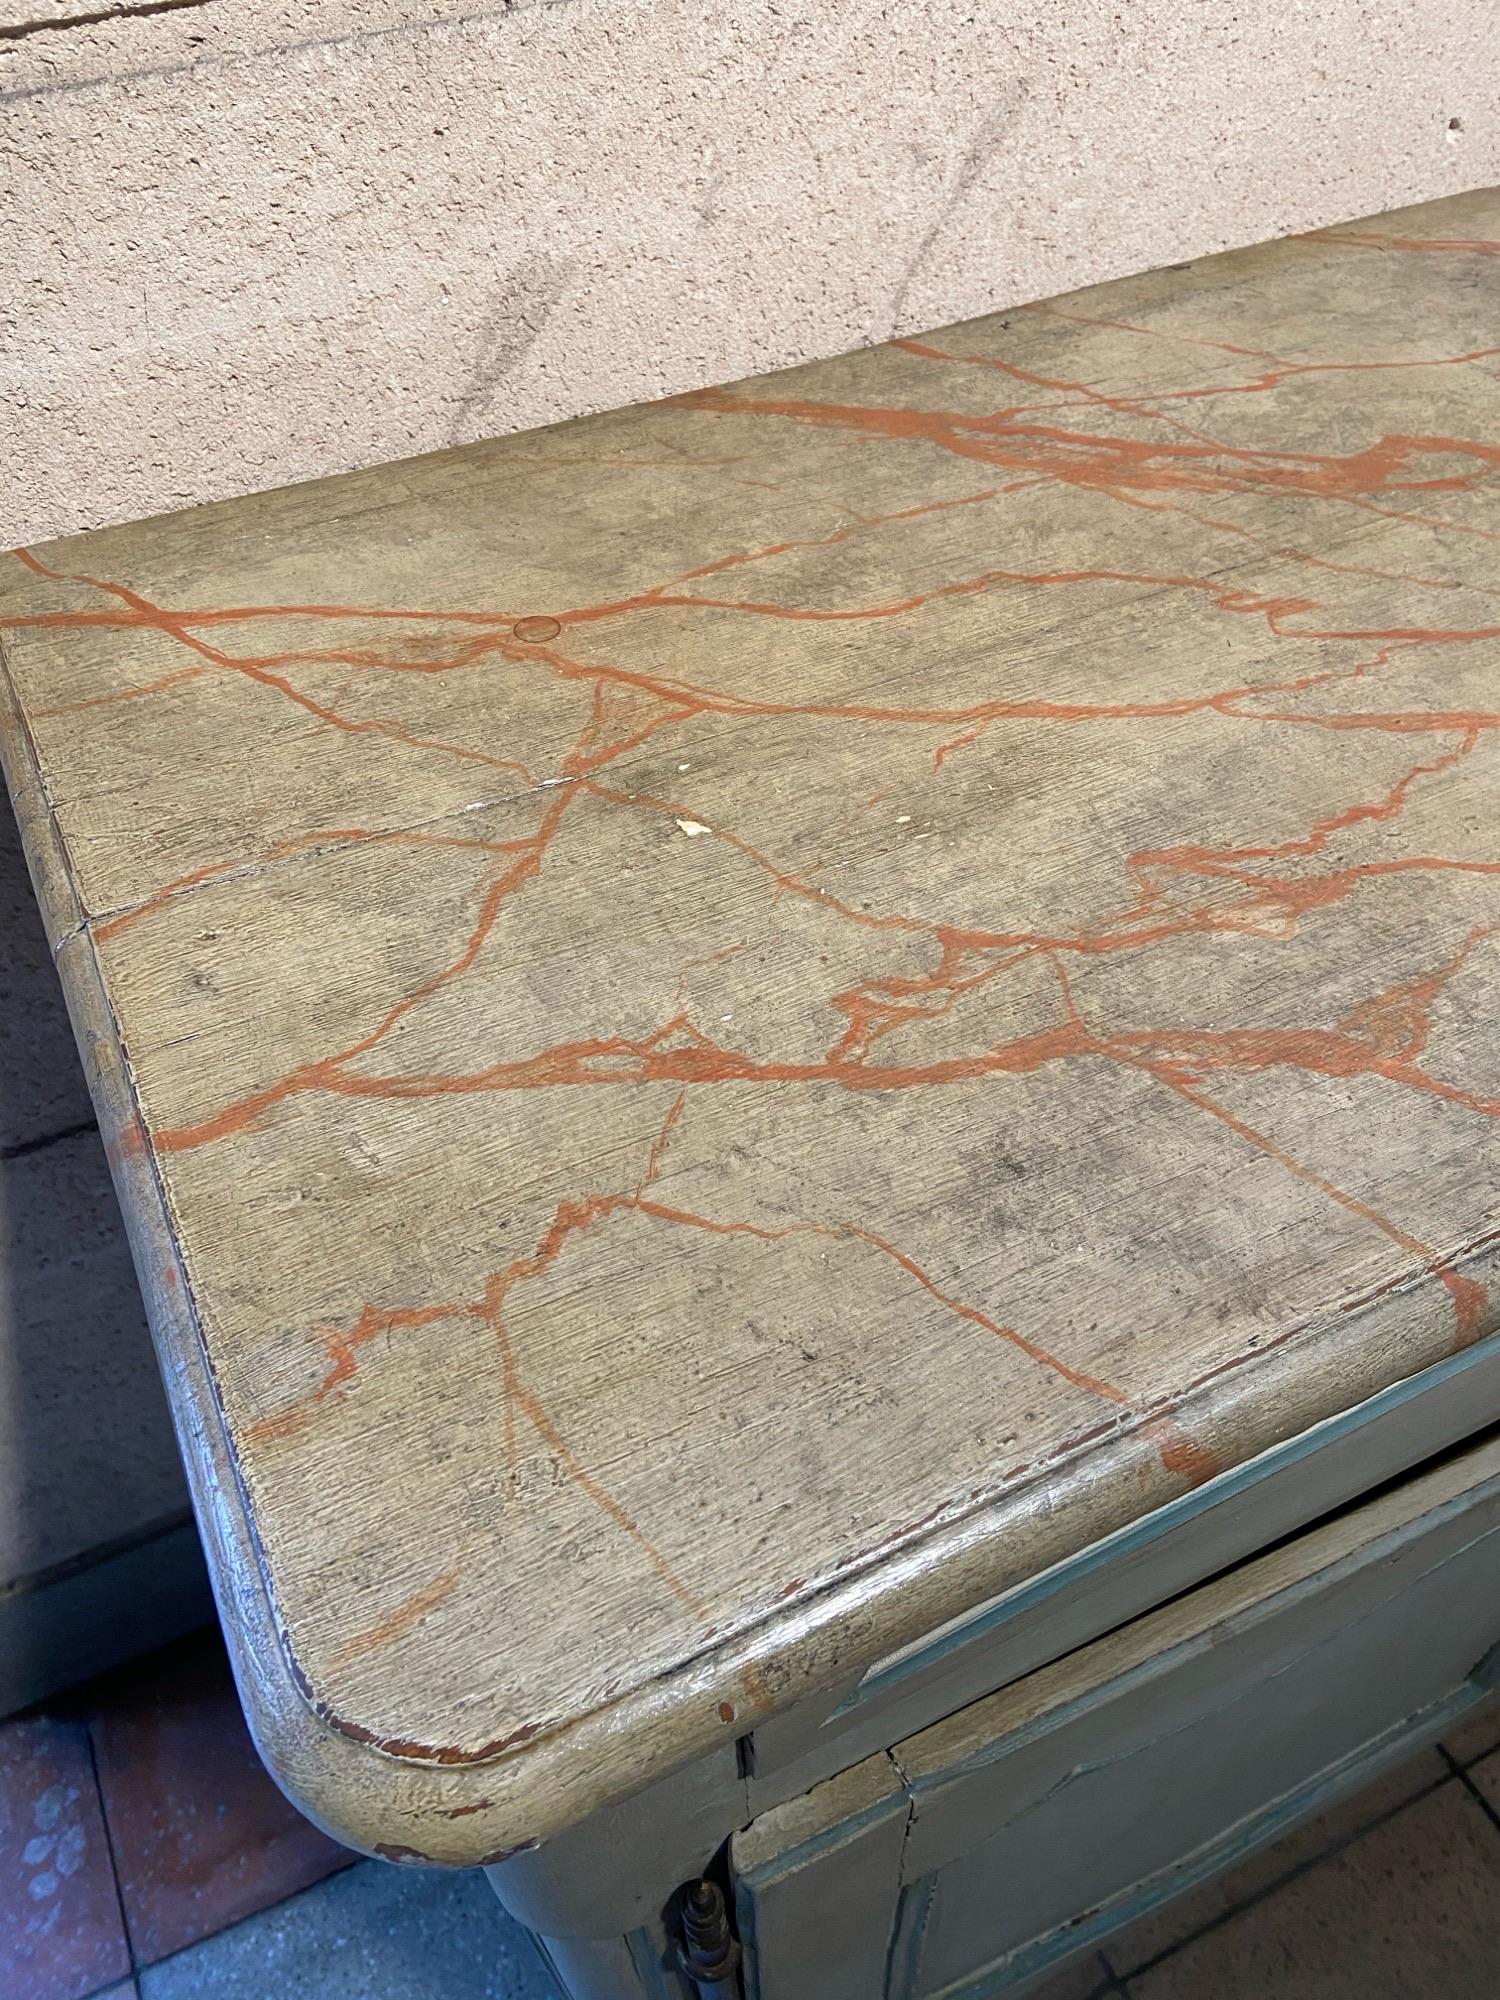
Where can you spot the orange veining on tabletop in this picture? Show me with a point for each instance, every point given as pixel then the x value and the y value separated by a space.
pixel 1142 455
pixel 1370 239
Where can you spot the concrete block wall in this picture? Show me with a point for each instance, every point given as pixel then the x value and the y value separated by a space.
pixel 249 242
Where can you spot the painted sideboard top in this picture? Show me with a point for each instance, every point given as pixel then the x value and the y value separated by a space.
pixel 727 1027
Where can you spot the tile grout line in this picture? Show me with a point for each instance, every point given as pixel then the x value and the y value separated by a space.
pixel 1272 1888
pixel 114 1864
pixel 212 1937
pixel 1461 1772
pixel 1115 1983
pixel 23 1147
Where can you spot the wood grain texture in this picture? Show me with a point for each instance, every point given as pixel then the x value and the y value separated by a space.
pixel 730 1026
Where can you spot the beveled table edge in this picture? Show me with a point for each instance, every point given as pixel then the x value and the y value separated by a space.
pixel 557 1770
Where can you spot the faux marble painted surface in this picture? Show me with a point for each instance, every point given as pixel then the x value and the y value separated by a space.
pixel 744 1020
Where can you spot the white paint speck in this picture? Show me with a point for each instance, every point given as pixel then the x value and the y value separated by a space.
pixel 903 819
pixel 70 1848
pixel 693 827
pixel 52 1804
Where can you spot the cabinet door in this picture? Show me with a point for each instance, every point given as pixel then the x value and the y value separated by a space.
pixel 1283 1491
pixel 816 1887
pixel 1026 1826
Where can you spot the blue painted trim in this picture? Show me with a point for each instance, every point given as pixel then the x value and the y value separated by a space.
pixel 1151 1527
pixel 790 1859
pixel 745 1907
pixel 913 1913
pixel 1299 1588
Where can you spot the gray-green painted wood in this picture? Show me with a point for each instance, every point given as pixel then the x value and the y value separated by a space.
pixel 1108 1780
pixel 817 1885
pixel 1124 1575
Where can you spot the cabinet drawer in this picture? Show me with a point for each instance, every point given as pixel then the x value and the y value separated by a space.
pixel 1281 1492
pixel 1026 1826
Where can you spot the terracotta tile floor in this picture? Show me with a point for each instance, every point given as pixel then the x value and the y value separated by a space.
pixel 144 1855
pixel 199 1834
pixel 60 1929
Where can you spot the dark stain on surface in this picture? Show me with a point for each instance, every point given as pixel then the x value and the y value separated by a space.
pixel 527 298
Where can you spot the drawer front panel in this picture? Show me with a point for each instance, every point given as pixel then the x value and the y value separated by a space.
pixel 1119 1764
pixel 1222 1522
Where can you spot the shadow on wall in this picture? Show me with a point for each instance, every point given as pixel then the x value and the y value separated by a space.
pixel 98 1555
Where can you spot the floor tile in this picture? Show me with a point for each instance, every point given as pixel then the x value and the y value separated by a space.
pixel 126 1990
pixel 372 1933
pixel 60 1929
pixel 1161 1929
pixel 1405 1912
pixel 1477 1736
pixel 201 1836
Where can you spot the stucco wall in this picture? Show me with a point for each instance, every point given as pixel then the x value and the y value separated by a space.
pixel 248 242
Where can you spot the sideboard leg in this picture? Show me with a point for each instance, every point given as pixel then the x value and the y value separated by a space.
pixel 643 1965
pixel 596 1968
